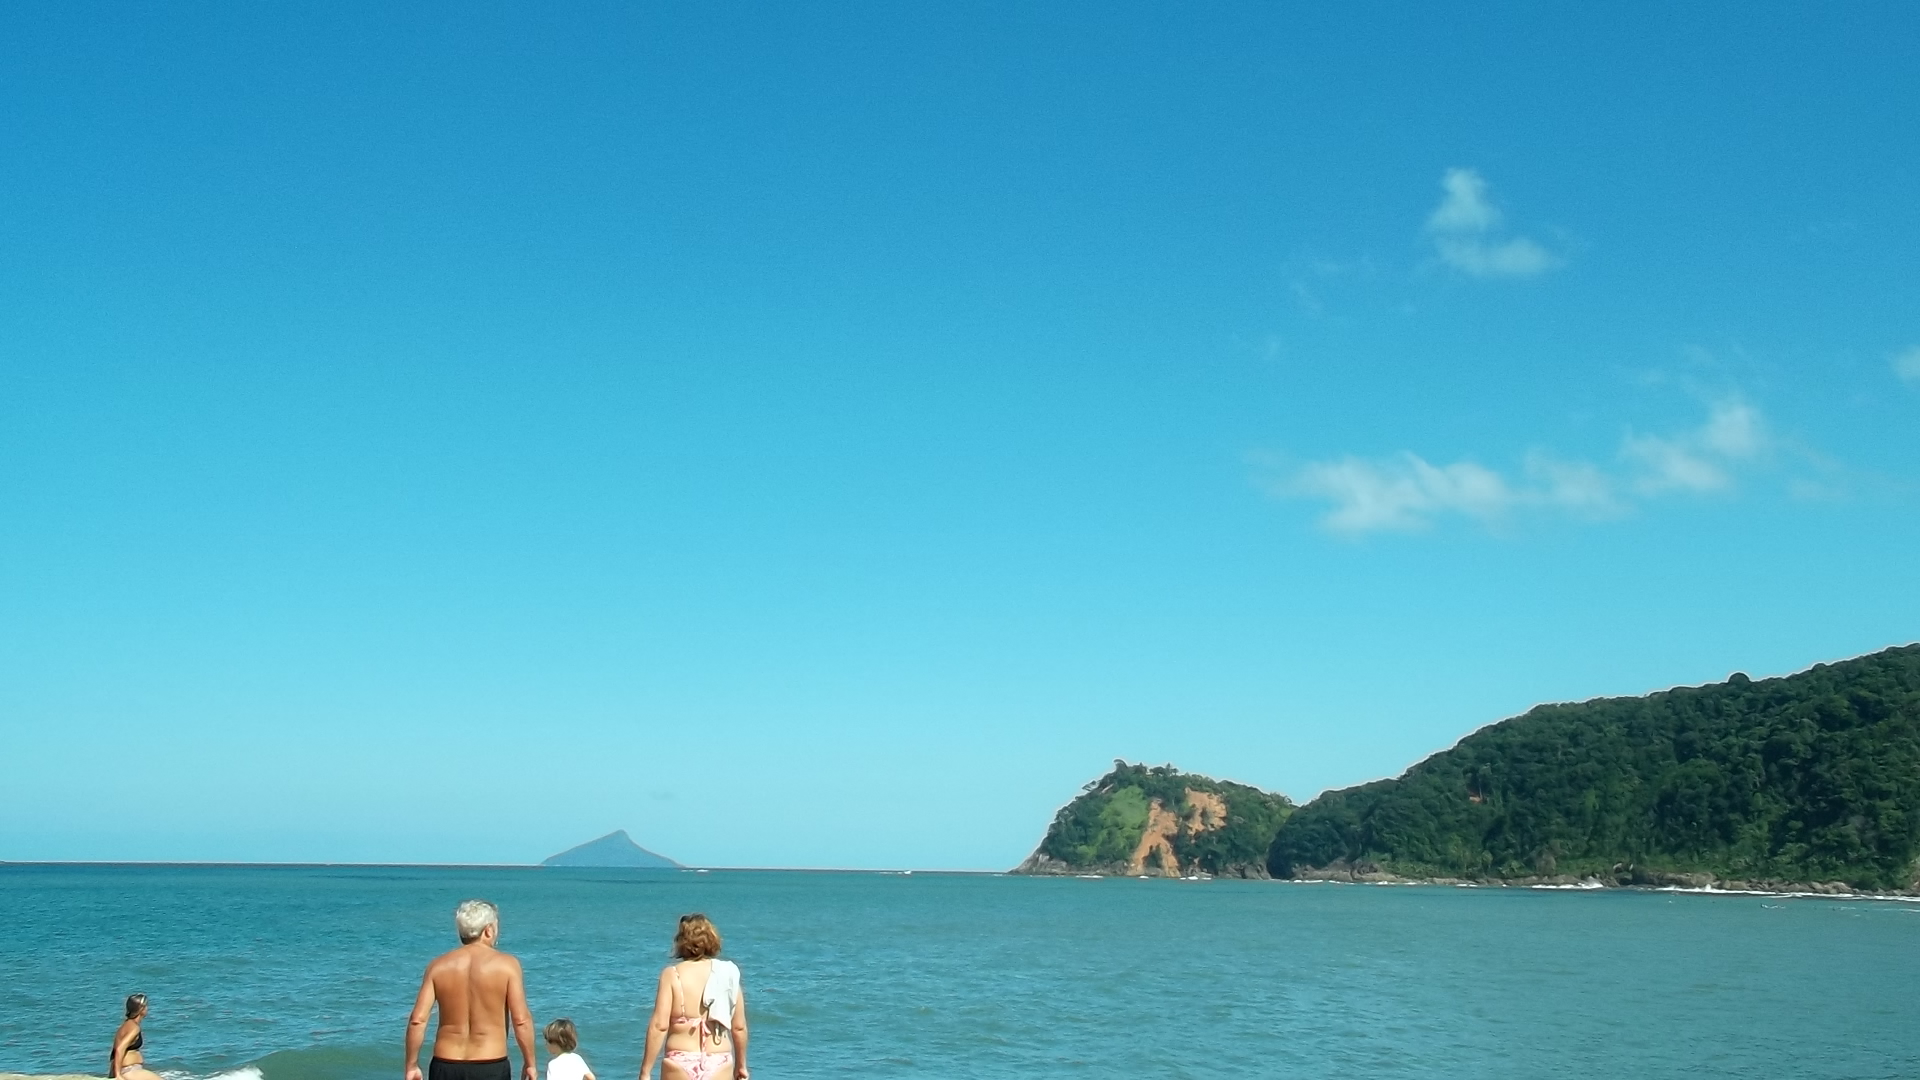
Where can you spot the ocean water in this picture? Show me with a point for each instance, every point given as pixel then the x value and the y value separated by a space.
pixel 301 973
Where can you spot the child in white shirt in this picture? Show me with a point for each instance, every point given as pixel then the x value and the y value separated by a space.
pixel 564 1063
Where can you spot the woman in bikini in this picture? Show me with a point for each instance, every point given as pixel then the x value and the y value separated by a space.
pixel 125 1061
pixel 699 1011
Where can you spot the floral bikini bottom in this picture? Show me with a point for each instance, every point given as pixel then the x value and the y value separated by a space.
pixel 702 1066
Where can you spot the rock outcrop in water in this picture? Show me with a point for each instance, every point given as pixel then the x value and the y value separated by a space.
pixel 614 849
pixel 1809 782
pixel 1160 822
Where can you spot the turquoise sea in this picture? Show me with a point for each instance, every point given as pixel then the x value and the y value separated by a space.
pixel 307 972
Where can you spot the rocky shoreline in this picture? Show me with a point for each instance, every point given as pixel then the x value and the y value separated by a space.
pixel 1040 864
pixel 1622 878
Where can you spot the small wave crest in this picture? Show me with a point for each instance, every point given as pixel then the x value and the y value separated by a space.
pixel 326 1063
pixel 244 1072
pixel 306 1063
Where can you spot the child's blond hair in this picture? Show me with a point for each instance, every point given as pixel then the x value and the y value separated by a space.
pixel 561 1033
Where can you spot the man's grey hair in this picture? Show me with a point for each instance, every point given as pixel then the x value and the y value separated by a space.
pixel 473 917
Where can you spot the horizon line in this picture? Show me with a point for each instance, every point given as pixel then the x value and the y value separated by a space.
pixel 488 866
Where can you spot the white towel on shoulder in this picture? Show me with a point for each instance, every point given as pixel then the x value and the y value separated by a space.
pixel 722 993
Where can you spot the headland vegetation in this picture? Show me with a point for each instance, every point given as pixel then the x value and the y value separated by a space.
pixel 1158 821
pixel 1804 783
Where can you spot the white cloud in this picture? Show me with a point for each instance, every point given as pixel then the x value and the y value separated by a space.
pixel 1402 493
pixel 1408 492
pixel 1662 465
pixel 1465 229
pixel 1465 208
pixel 1518 257
pixel 1907 365
pixel 1696 461
pixel 1734 430
pixel 1576 486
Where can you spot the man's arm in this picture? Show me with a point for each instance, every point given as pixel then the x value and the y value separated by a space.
pixel 417 1024
pixel 522 1022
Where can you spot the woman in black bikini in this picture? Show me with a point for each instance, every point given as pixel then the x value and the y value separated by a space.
pixel 126 1062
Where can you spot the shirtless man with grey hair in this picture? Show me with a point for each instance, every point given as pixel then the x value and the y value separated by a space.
pixel 479 991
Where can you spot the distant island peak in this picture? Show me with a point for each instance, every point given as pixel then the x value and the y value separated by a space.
pixel 614 849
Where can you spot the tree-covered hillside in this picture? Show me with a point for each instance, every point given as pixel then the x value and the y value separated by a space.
pixel 1112 826
pixel 1814 777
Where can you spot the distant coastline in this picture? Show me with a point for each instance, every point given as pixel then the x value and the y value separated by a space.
pixel 1563 883
pixel 1678 883
pixel 1802 785
pixel 1690 884
pixel 297 865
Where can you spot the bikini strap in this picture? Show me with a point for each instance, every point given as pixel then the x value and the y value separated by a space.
pixel 698 1015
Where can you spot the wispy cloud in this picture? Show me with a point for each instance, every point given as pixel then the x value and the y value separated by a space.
pixel 1467 234
pixel 1407 492
pixel 1696 461
pixel 1907 365
pixel 1402 493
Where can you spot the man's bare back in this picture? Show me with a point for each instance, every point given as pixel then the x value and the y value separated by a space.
pixel 479 992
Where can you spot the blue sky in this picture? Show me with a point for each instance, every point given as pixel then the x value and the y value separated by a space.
pixel 829 437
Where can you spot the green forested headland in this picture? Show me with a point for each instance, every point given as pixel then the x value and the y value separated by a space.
pixel 1158 820
pixel 1811 778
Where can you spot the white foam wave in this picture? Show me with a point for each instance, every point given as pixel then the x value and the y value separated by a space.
pixel 244 1072
pixel 1894 897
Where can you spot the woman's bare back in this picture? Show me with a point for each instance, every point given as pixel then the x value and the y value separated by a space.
pixel 686 1025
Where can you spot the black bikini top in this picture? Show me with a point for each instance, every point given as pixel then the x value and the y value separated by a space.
pixel 138 1041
